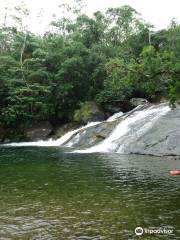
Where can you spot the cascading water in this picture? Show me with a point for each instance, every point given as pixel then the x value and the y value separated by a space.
pixel 129 130
pixel 131 127
pixel 53 143
pixel 115 116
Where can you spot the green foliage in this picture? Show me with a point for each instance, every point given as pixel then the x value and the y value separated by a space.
pixel 84 113
pixel 151 76
pixel 116 87
pixel 174 92
pixel 106 57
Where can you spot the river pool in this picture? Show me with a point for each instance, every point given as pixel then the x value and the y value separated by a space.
pixel 47 194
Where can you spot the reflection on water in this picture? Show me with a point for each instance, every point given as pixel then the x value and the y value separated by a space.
pixel 47 194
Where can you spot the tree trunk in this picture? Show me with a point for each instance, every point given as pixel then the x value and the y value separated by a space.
pixel 21 54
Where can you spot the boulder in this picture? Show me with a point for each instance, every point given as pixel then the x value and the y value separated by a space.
pixel 39 131
pixel 92 135
pixel 89 112
pixel 138 101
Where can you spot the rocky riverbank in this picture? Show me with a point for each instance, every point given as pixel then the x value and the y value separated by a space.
pixel 147 129
pixel 42 130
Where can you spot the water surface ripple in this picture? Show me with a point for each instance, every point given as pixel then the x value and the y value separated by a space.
pixel 48 194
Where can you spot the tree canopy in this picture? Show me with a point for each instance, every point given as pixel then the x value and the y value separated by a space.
pixel 107 58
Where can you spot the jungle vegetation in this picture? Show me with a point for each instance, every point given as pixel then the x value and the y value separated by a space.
pixel 107 58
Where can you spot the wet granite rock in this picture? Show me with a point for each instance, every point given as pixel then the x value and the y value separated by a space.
pixel 162 139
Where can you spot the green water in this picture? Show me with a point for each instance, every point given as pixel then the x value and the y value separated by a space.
pixel 48 194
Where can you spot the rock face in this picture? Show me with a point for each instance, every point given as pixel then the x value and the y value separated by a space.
pixel 148 134
pixel 39 131
pixel 91 136
pixel 163 138
pixel 148 129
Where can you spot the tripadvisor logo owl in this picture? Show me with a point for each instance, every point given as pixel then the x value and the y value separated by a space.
pixel 139 231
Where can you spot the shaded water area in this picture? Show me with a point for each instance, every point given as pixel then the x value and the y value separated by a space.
pixel 48 194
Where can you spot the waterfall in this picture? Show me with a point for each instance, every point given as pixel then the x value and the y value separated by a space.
pixel 129 130
pixel 53 143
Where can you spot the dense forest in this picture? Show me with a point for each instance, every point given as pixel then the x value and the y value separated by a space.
pixel 107 58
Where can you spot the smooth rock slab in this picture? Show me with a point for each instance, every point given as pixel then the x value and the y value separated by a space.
pixel 162 139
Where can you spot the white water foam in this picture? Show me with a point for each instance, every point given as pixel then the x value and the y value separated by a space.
pixel 115 117
pixel 127 129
